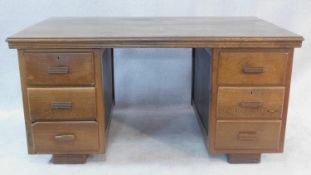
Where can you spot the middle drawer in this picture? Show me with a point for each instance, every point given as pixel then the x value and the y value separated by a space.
pixel 62 104
pixel 250 102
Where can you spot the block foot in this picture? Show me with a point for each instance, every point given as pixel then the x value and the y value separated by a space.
pixel 69 158
pixel 243 158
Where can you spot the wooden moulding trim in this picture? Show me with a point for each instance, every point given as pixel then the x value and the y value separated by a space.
pixel 156 43
pixel 168 38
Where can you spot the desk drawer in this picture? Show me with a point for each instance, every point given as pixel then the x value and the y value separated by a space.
pixel 250 102
pixel 248 135
pixel 252 68
pixel 59 68
pixel 62 104
pixel 65 137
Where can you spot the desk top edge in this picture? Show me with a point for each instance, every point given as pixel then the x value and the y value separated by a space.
pixel 158 29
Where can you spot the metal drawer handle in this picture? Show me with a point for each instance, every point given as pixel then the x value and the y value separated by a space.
pixel 58 70
pixel 250 104
pixel 61 105
pixel 247 136
pixel 253 70
pixel 65 138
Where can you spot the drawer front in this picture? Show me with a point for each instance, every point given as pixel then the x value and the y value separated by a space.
pixel 65 137
pixel 252 68
pixel 250 102
pixel 62 104
pixel 248 135
pixel 59 68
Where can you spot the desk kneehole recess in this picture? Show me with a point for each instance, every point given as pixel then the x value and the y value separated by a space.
pixel 240 87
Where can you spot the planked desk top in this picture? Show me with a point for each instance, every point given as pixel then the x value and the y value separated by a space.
pixel 98 32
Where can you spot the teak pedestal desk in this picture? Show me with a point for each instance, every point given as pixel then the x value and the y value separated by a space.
pixel 241 80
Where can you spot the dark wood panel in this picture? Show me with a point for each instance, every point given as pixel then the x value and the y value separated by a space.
pixel 202 84
pixel 108 83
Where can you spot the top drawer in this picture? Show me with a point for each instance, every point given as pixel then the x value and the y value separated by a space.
pixel 59 68
pixel 252 67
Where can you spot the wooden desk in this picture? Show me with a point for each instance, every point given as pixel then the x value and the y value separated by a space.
pixel 240 88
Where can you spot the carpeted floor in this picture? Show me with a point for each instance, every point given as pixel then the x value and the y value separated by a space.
pixel 152 140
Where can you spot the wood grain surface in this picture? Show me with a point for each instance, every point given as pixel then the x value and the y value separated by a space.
pixel 81 99
pixel 85 137
pixel 98 32
pixel 255 136
pixel 232 65
pixel 44 68
pixel 250 102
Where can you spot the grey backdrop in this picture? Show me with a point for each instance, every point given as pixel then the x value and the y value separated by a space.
pixel 163 137
pixel 153 76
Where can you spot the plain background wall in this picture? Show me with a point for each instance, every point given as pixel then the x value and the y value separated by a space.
pixel 136 80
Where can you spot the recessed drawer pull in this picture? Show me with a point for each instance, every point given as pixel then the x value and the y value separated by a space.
pixel 58 69
pixel 250 104
pixel 65 138
pixel 247 136
pixel 61 105
pixel 253 70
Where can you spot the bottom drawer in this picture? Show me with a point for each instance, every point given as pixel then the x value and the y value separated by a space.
pixel 65 137
pixel 248 135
